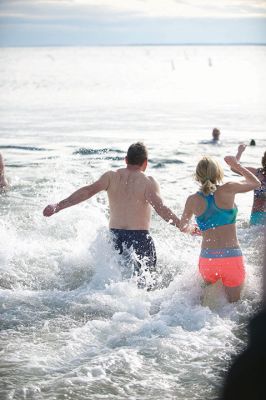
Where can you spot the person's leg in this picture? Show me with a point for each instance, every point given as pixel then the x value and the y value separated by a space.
pixel 233 276
pixel 146 259
pixel 117 238
pixel 233 293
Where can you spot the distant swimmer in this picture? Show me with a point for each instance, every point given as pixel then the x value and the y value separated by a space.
pixel 215 211
pixel 131 196
pixel 252 142
pixel 258 212
pixel 216 135
pixel 3 181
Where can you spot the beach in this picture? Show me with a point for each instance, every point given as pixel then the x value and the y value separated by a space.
pixel 74 324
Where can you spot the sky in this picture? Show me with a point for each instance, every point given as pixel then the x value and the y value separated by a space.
pixel 122 22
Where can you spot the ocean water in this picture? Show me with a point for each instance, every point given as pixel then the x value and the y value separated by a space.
pixel 74 325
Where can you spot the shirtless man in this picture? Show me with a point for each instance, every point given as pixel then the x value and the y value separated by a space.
pixel 3 180
pixel 131 195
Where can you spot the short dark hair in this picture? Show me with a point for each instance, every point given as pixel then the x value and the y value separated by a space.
pixel 137 153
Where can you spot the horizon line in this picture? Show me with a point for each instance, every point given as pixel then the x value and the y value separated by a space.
pixel 132 44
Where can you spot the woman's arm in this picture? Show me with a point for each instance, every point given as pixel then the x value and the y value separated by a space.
pixel 240 151
pixel 80 195
pixel 185 225
pixel 251 182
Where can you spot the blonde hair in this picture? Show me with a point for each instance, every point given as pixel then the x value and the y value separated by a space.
pixel 209 173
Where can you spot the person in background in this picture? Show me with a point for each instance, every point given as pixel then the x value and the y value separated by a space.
pixel 252 142
pixel 258 212
pixel 215 211
pixel 131 194
pixel 3 180
pixel 216 135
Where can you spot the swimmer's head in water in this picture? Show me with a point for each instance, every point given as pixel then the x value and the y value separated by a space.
pixel 137 154
pixel 209 173
pixel 216 134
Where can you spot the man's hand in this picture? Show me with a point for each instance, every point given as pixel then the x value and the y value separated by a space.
pixel 50 210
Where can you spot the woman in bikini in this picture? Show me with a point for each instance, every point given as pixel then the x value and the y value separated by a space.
pixel 215 211
pixel 258 212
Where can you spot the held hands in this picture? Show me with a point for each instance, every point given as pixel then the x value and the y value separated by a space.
pixel 191 229
pixel 50 210
pixel 195 230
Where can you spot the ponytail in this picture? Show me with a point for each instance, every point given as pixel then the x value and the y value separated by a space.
pixel 208 187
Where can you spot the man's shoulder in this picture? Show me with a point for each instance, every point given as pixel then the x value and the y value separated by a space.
pixel 151 181
pixel 112 172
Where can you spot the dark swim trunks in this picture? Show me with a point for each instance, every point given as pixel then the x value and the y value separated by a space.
pixel 138 248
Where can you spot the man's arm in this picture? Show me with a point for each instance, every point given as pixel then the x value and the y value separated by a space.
pixel 80 195
pixel 153 196
pixel 251 182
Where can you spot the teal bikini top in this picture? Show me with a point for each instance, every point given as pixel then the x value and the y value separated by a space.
pixel 214 216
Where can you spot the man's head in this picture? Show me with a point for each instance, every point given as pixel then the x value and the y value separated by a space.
pixel 216 134
pixel 137 155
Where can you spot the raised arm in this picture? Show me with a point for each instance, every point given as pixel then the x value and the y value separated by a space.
pixel 250 182
pixel 240 151
pixel 153 196
pixel 80 195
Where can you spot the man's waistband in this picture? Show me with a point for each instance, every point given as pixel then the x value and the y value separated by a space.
pixel 115 230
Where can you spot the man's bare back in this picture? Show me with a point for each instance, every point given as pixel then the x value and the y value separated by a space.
pixel 129 207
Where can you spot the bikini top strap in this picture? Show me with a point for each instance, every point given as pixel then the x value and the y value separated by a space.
pixel 209 198
pixel 201 194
